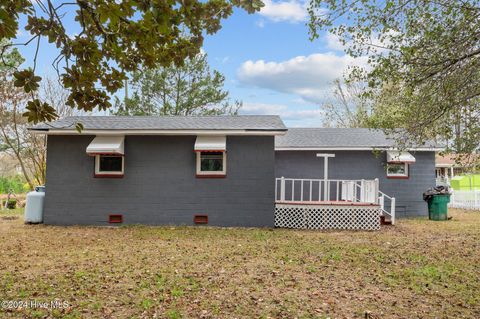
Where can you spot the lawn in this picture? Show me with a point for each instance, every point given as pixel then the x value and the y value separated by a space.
pixel 416 269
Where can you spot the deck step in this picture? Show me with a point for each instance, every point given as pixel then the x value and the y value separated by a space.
pixel 384 221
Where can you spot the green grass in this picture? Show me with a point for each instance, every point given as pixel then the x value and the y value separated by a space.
pixel 418 268
pixel 17 184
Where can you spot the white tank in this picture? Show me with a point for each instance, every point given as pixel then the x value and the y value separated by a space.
pixel 34 206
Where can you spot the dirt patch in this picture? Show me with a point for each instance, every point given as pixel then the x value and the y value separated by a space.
pixel 9 217
pixel 416 269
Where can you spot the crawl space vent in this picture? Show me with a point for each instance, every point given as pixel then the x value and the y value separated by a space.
pixel 115 219
pixel 200 219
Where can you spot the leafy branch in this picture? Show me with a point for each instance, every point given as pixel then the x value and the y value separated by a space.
pixel 116 38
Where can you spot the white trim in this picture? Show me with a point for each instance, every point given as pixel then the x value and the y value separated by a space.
pixel 325 155
pixel 400 157
pixel 97 166
pixel 335 148
pixel 211 143
pixel 220 173
pixel 406 167
pixel 106 145
pixel 162 132
pixel 444 165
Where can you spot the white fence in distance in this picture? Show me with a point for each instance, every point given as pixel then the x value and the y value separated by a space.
pixel 469 199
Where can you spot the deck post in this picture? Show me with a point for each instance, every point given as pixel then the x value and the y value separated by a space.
pixel 310 190
pixel 301 190
pixel 282 189
pixel 377 189
pixel 325 178
pixel 392 210
pixel 326 189
pixel 363 193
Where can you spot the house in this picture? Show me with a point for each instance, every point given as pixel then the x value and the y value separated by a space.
pixel 229 171
pixel 357 154
pixel 458 171
pixel 177 170
pixel 450 165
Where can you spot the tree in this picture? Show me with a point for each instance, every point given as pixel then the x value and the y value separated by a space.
pixel 27 149
pixel 10 100
pixel 190 89
pixel 347 108
pixel 425 62
pixel 116 37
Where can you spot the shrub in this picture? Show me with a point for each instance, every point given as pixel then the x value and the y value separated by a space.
pixel 12 204
pixel 26 188
pixel 15 183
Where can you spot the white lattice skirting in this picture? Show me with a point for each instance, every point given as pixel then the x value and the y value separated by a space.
pixel 327 217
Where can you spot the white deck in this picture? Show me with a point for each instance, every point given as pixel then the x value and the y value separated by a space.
pixel 331 204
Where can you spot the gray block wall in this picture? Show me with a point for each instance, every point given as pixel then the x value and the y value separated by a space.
pixel 159 186
pixel 365 165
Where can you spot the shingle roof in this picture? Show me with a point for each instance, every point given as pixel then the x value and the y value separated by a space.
pixel 325 138
pixel 457 160
pixel 226 122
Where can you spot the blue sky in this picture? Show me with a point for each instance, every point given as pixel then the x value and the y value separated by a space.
pixel 268 61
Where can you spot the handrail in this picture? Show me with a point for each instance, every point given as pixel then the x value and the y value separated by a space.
pixel 383 194
pixel 381 201
pixel 322 180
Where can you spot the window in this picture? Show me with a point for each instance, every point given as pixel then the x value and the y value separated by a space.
pixel 211 164
pixel 397 170
pixel 109 166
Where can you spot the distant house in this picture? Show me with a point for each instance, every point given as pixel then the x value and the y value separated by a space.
pixel 228 171
pixel 450 165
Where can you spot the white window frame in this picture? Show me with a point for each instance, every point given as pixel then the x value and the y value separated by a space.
pixel 98 172
pixel 406 166
pixel 219 173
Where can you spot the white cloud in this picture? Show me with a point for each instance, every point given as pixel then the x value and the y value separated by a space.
pixel 223 60
pixel 378 42
pixel 260 23
pixel 309 77
pixel 287 113
pixel 278 11
pixel 332 42
pixel 263 109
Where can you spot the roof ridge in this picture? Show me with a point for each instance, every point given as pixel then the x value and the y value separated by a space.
pixel 170 122
pixel 170 115
pixel 334 138
pixel 335 128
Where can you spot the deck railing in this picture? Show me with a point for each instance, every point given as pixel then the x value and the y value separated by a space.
pixel 334 190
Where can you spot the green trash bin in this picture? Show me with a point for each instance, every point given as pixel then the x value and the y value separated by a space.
pixel 437 207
